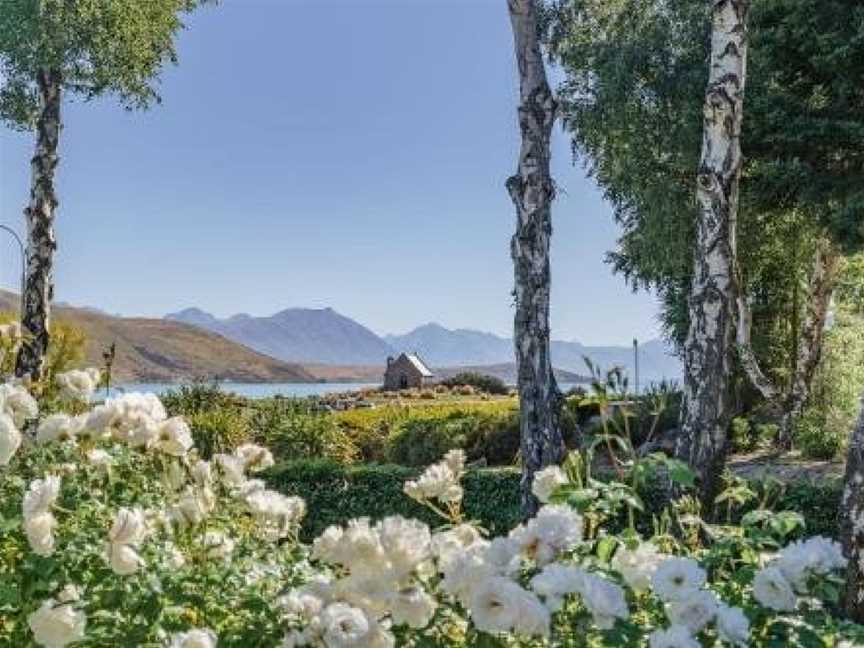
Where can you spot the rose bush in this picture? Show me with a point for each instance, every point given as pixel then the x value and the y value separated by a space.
pixel 114 532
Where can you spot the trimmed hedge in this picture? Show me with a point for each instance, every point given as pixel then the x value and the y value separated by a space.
pixel 335 493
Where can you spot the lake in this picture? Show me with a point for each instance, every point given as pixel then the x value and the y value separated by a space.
pixel 266 390
pixel 254 390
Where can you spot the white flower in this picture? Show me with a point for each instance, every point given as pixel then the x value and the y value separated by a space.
pixel 56 625
pixel 202 473
pixel 413 607
pixel 57 427
pixel 501 605
pixel 193 507
pixel 555 582
pixel 694 611
pixel 677 578
pixel 41 495
pixel 78 384
pixel 233 469
pixel 255 458
pixel 799 561
pixel 733 626
pixel 218 545
pixel 199 638
pixel 344 626
pixel 455 461
pixel 10 439
pixel 604 599
pixel 18 403
pixel 502 554
pixel 771 589
pixel 98 457
pixel 129 527
pixel 69 594
pixel 464 571
pixel 438 481
pixel 39 529
pixel 673 637
pixel 174 437
pixel 123 558
pixel 555 529
pixel 446 545
pixel 406 542
pixel 546 481
pixel 637 566
pixel 277 514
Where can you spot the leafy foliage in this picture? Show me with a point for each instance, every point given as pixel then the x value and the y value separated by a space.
pixel 481 382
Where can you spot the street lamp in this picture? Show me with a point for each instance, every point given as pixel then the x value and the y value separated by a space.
pixel 23 260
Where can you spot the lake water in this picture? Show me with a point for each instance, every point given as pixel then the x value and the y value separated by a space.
pixel 266 390
pixel 255 390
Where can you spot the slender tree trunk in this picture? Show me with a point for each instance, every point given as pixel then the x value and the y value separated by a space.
pixel 809 347
pixel 852 522
pixel 708 347
pixel 39 280
pixel 532 192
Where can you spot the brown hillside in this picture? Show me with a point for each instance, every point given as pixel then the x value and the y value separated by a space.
pixel 157 350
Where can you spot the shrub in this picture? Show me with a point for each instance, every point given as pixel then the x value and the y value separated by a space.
pixel 197 397
pixel 481 382
pixel 741 434
pixel 293 430
pixel 218 430
pixel 335 494
pixel 815 437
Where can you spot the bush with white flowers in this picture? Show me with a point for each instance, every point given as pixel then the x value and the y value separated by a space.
pixel 114 532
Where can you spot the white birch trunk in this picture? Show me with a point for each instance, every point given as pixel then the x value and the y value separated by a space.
pixel 39 278
pixel 708 347
pixel 852 522
pixel 532 192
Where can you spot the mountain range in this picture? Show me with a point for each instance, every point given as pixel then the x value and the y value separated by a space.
pixel 156 350
pixel 303 335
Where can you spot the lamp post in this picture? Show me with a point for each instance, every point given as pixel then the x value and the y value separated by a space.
pixel 636 362
pixel 21 247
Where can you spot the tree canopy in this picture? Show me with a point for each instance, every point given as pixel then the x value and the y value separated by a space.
pixel 97 46
pixel 635 74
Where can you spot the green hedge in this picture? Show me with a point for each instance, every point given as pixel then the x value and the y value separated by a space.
pixel 335 493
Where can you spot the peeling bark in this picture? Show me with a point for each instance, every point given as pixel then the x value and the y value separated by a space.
pixel 708 346
pixel 532 192
pixel 852 523
pixel 41 244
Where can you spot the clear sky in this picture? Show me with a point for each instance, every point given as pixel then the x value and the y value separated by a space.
pixel 344 153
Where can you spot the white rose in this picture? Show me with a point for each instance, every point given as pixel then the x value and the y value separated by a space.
pixel 175 437
pixel 39 529
pixel 10 439
pixel 123 558
pixel 200 638
pixel 129 527
pixel 546 481
pixel 55 626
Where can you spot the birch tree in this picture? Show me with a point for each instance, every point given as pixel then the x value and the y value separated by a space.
pixel 532 192
pixel 708 359
pixel 51 50
pixel 852 522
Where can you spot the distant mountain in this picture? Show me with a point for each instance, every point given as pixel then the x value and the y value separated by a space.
pixel 156 350
pixel 297 335
pixel 440 346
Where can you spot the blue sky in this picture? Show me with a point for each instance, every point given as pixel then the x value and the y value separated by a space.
pixel 344 153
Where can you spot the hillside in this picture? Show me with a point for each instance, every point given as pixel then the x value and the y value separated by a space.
pixel 445 347
pixel 297 335
pixel 156 350
pixel 324 337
